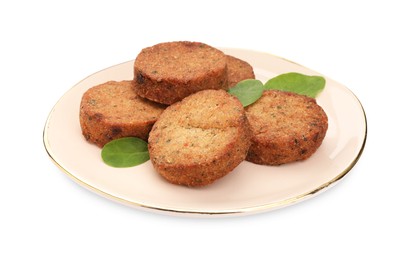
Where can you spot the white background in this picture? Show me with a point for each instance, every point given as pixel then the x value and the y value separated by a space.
pixel 49 46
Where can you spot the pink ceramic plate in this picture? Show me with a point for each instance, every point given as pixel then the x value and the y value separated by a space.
pixel 249 189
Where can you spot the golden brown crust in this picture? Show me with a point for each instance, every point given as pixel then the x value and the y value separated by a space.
pixel 168 72
pixel 113 110
pixel 286 127
pixel 200 139
pixel 238 70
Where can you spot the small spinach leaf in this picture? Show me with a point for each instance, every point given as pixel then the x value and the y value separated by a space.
pixel 247 91
pixel 296 82
pixel 125 152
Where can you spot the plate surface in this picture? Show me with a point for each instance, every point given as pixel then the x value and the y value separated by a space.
pixel 249 189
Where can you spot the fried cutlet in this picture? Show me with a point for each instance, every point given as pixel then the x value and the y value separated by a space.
pixel 200 139
pixel 113 110
pixel 238 70
pixel 168 72
pixel 286 127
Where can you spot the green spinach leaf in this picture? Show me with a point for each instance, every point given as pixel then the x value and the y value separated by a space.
pixel 247 91
pixel 296 82
pixel 125 152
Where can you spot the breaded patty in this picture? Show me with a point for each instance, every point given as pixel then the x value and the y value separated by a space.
pixel 286 127
pixel 113 110
pixel 200 139
pixel 168 72
pixel 238 70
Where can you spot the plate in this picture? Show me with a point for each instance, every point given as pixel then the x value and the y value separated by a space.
pixel 249 189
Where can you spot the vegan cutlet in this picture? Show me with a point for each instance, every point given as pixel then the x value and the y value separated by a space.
pixel 168 72
pixel 238 70
pixel 286 127
pixel 200 139
pixel 113 110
